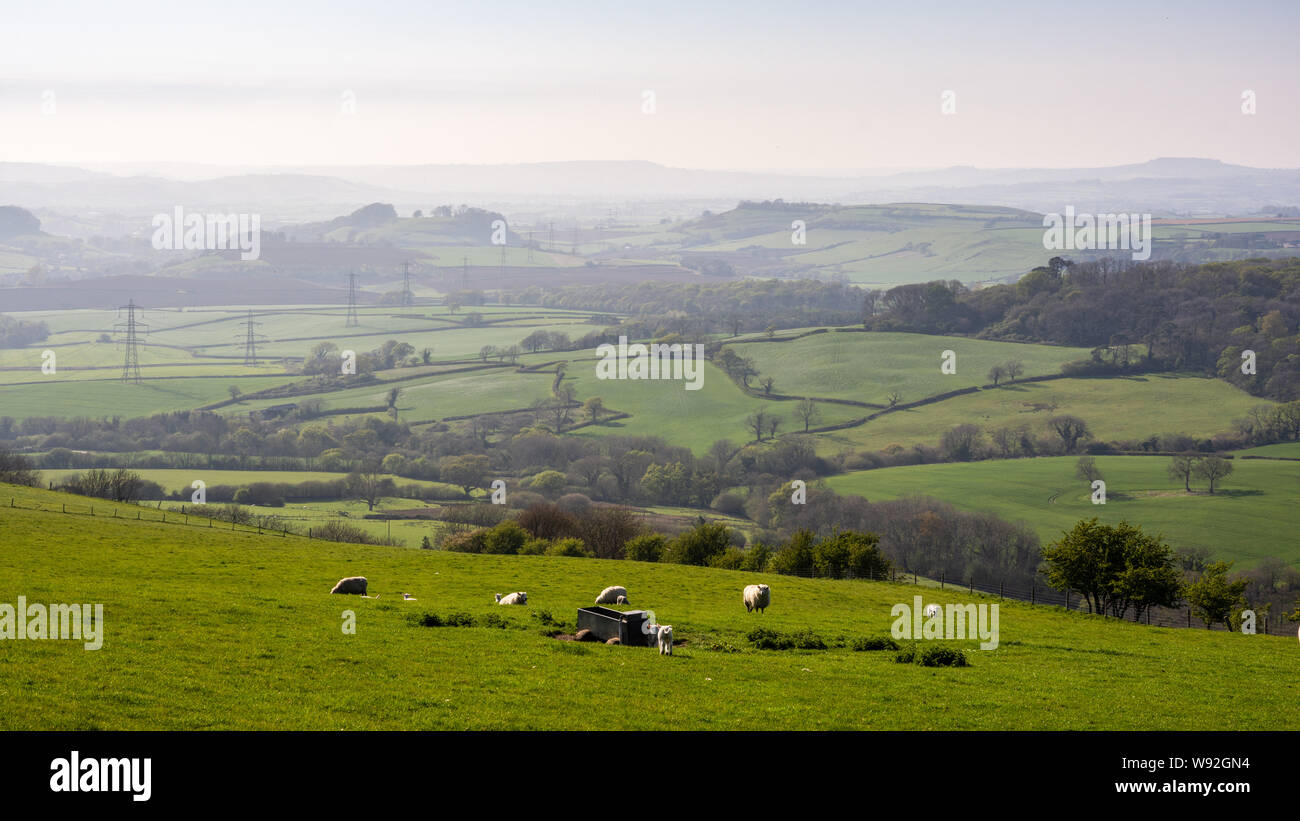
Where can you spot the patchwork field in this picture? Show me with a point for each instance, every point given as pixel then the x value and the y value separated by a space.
pixel 219 630
pixel 1251 516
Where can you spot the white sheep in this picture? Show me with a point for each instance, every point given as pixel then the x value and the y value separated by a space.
pixel 932 610
pixel 757 597
pixel 611 595
pixel 513 598
pixel 665 635
pixel 352 585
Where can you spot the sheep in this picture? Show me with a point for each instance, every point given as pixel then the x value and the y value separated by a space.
pixel 757 597
pixel 408 597
pixel 665 639
pixel 513 598
pixel 352 585
pixel 611 595
pixel 932 610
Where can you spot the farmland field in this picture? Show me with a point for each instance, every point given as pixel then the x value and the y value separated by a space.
pixel 238 631
pixel 1251 515
pixel 867 366
pixel 1133 407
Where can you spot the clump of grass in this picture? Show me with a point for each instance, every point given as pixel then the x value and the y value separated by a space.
pixel 933 656
pixel 875 643
pixel 767 639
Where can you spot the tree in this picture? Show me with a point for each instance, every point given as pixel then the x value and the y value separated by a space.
pixel 235 392
pixel 466 472
pixel 996 374
pixel 894 398
pixel 757 422
pixel 1215 599
pixel 1114 568
pixel 426 356
pixel 1212 469
pixel 393 393
pixel 766 384
pixel 593 408
pixel 1070 428
pixel 1013 369
pixel 1086 469
pixel 16 469
pixel 368 483
pixel 807 411
pixel 487 351
pixel 773 422
pixel 959 443
pixel 1182 467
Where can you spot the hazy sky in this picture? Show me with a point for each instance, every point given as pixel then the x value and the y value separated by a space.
pixel 779 85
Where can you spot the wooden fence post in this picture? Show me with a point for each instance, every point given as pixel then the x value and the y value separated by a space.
pixel 1000 589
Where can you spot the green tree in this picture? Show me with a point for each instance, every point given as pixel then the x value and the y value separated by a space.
pixel 1214 598
pixel 1213 469
pixel 1114 568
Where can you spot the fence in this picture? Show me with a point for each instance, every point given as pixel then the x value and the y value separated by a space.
pixel 1071 600
pixel 163 518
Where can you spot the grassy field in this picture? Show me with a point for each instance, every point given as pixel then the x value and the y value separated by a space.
pixel 867 366
pixel 182 478
pixel 220 630
pixel 1122 408
pixel 1251 516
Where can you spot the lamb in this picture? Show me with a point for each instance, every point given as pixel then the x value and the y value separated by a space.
pixel 757 597
pixel 665 635
pixel 932 610
pixel 513 598
pixel 612 595
pixel 352 585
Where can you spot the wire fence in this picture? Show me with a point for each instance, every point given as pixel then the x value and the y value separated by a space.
pixel 111 510
pixel 1041 594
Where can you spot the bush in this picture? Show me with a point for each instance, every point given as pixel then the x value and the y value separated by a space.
pixel 570 547
pixel 728 503
pixel 767 639
pixel 505 539
pixel 699 544
pixel 646 548
pixel 756 558
pixel 535 547
pixel 875 643
pixel 934 656
pixel 467 542
pixel 731 559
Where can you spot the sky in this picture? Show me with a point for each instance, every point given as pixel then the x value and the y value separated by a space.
pixel 816 87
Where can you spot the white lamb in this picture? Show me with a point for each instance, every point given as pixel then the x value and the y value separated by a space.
pixel 352 585
pixel 612 595
pixel 932 610
pixel 665 635
pixel 757 597
pixel 513 598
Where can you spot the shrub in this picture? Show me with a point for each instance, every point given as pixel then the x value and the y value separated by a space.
pixel 728 503
pixel 535 547
pixel 699 544
pixel 505 539
pixel 907 655
pixel 468 542
pixel 807 640
pixel 730 559
pixel 756 558
pixel 767 639
pixel 875 643
pixel 935 656
pixel 645 548
pixel 570 547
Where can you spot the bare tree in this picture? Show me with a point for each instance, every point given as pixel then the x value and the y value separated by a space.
pixel 996 374
pixel 1070 428
pixel 807 411
pixel 757 422
pixel 1013 369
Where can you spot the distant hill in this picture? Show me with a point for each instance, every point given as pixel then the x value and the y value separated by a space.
pixel 17 222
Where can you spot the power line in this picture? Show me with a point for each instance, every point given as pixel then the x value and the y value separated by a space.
pixel 250 339
pixel 352 320
pixel 131 362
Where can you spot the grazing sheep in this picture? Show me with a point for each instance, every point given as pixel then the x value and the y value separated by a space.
pixel 513 598
pixel 757 597
pixel 611 595
pixel 352 585
pixel 665 639
pixel 932 610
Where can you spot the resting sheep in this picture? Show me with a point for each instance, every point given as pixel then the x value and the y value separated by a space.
pixel 757 597
pixel 932 610
pixel 513 598
pixel 352 585
pixel 612 595
pixel 665 635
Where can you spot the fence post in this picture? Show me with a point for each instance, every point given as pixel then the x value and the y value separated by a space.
pixel 65 507
pixel 1189 617
pixel 1067 598
pixel 915 579
pixel 1033 593
pixel 1000 589
pixel 309 534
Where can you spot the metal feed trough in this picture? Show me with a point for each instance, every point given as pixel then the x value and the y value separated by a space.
pixel 613 624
